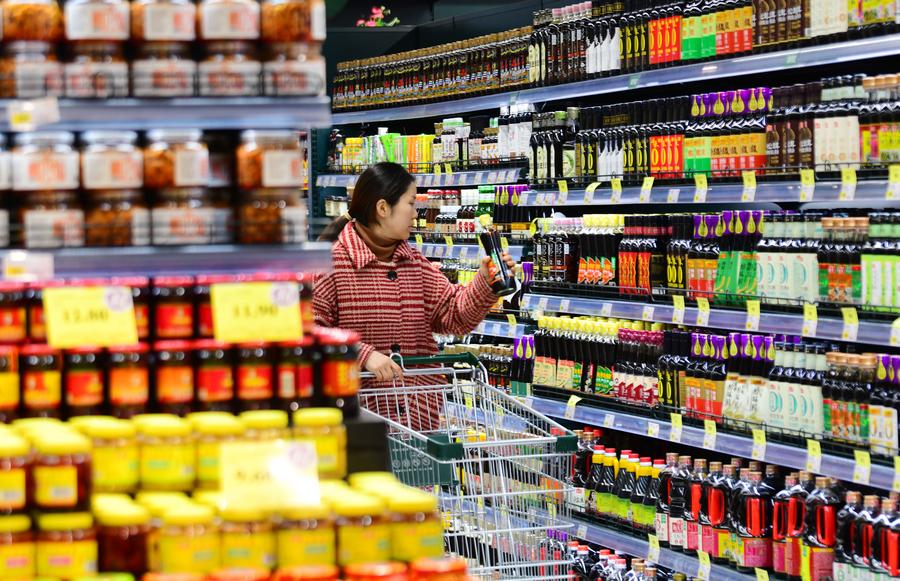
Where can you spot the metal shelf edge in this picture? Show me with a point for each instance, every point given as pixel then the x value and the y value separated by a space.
pixel 459 250
pixel 461 178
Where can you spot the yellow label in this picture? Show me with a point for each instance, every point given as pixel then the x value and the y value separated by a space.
pixel 66 560
pixel 358 544
pixel 700 181
pixel 677 421
pixel 94 315
pixel 19 118
pixel 749 178
pixel 182 554
pixel 616 185
pixel 448 169
pixel 703 304
pixel 330 452
pixel 762 575
pixel 256 311
pixel 678 312
pixel 248 551
pixel 647 185
pixel 411 541
pixel 269 475
pixel 753 308
pixel 511 319
pixel 448 240
pixel 709 428
pixel 592 187
pixel 504 243
pixel 894 174
pixel 313 547
pixel 848 176
pixel 570 407
pixel 116 469
pixel 563 186
pixel 813 455
pixel 208 461
pixel 56 486
pixel 862 458
pixel 810 313
pixel 807 177
pixel 419 241
pixel 896 484
pixel 437 169
pixel 9 389
pixel 759 437
pixel 12 490
pixel 851 317
pixel 17 561
pixel 167 466
pixel 653 552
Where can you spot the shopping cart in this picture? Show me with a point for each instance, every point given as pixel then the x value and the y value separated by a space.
pixel 501 471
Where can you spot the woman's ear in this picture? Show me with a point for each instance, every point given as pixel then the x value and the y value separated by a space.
pixel 382 208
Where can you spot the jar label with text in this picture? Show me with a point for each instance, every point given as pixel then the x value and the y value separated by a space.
pixel 140 228
pixel 38 330
pixel 96 80
pixel 282 169
pixel 184 554
pixel 204 319
pixel 293 225
pixel 254 550
pixel 129 386
pixel 56 486
pixel 254 382
pixel 42 389
pixel 84 387
pixel 112 170
pixel 340 378
pixel 208 461
pixel 285 78
pixel 411 541
pixel 154 78
pixel 96 21
pixel 359 544
pixel 229 20
pixel 757 553
pixel 9 390
pixel 329 451
pixel 234 79
pixel 115 468
pixel 12 324
pixel 35 80
pixel 5 170
pixel 215 383
pixel 191 167
pixel 174 321
pixel 174 384
pixel 17 561
pixel 168 465
pixel 53 228
pixel 219 169
pixel 182 226
pixel 45 171
pixel 66 559
pixel 295 381
pixel 311 547
pixel 142 317
pixel 12 491
pixel 169 21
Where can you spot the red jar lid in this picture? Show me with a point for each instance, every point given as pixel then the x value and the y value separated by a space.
pixel 89 281
pixel 9 350
pixel 238 575
pixel 307 573
pixel 210 344
pixel 41 284
pixel 306 341
pixel 327 336
pixel 130 281
pixel 136 348
pixel 39 349
pixel 442 566
pixel 205 279
pixel 11 286
pixel 173 281
pixel 366 571
pixel 83 350
pixel 173 346
pixel 252 345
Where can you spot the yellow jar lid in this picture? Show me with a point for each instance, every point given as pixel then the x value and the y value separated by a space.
pixel 210 498
pixel 150 498
pixel 59 442
pixel 105 499
pixel 223 425
pixel 357 504
pixel 318 417
pixel 13 445
pixel 265 419
pixel 411 501
pixel 142 418
pixel 358 478
pixel 304 512
pixel 26 424
pixel 171 426
pixel 329 489
pixel 189 514
pixel 18 523
pixel 123 516
pixel 195 417
pixel 78 422
pixel 242 514
pixel 65 522
pixel 109 429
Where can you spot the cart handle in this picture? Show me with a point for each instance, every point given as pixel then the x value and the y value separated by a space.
pixel 442 360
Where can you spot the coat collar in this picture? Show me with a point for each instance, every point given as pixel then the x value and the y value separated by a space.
pixel 361 255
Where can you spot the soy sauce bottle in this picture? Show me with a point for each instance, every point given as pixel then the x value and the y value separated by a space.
pixel 502 283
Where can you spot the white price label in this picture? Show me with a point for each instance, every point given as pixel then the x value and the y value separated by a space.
pixel 609 420
pixel 581 533
pixel 862 469
pixel 647 313
pixel 570 407
pixel 758 451
pixel 848 184
pixel 653 429
pixel 895 333
pixel 606 310
pixel 672 196
pixel 564 306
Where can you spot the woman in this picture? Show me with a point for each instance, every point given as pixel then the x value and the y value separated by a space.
pixel 383 288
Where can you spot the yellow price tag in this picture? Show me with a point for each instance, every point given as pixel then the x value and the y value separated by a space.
pixel 893 189
pixel 762 574
pixel 896 485
pixel 646 190
pixel 753 314
pixel 678 311
pixel 570 407
pixel 813 456
pixel 653 429
pixel 709 434
pixel 810 320
pixel 563 186
pixel 759 445
pixel 848 184
pixel 592 187
pixel 448 240
pixel 851 324
pixel 653 548
pixel 504 243
pixel 99 316
pixel 419 241
pixel 511 319
pixel 894 174
pixel 749 193
pixel 862 469
pixel 895 333
pixel 21 118
pixel 256 311
pixel 677 427
pixel 448 169
pixel 269 475
pixel 807 185
pixel 616 185
pixel 702 311
pixel 705 565
pixel 437 169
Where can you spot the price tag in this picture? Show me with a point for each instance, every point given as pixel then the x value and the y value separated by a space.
pixel 759 445
pixel 100 316
pixel 810 320
pixel 701 187
pixel 479 178
pixel 542 303
pixel 269 475
pixel 504 244
pixel 562 198
pixel 463 251
pixel 851 324
pixel 702 311
pixel 653 429
pixel 653 549
pixel 523 199
pixel 564 306
pixel 606 310
pixel 678 311
pixel 749 193
pixel 448 240
pixel 807 185
pixel 762 574
pixel 647 313
pixel 570 407
pixel 705 565
pixel 29 115
pixel 419 242
pixel 895 333
pixel 588 198
pixel 862 470
pixel 581 533
pixel 511 330
pixel 256 311
pixel 893 189
pixel 563 186
pixel 677 426
pixel 709 434
pixel 616 196
pixel 752 323
pixel 26 265
pixel 437 169
pixel 609 420
pixel 791 59
pixel 592 187
pixel 896 485
pixel 848 184
pixel 439 251
pixel 813 456
pixel 448 169
pixel 634 81
pixel 672 197
pixel 646 190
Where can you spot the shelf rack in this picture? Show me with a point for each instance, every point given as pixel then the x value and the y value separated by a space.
pixel 500 329
pixel 432 180
pixel 830 328
pixel 440 250
pixel 811 56
pixel 725 443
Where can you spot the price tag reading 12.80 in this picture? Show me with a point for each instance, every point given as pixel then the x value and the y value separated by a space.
pixel 93 315
pixel 256 311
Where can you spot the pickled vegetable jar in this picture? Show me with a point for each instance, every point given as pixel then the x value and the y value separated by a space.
pixel 174 376
pixel 41 367
pixel 189 540
pixel 123 538
pixel 229 20
pixel 272 216
pixel 215 375
pixel 13 322
pixel 363 533
pixel 296 364
pixel 306 536
pixel 111 161
pixel 416 529
pixel 30 69
pixel 204 304
pixel 32 20
pixel 62 470
pixel 265 425
pixel 45 161
pixel 129 379
pixel 96 70
pixel 269 159
pixel 34 298
pixel 176 158
pixel 254 377
pixel 293 20
pixel 167 454
pixel 184 216
pixel 164 69
pixel 83 381
pixel 96 20
pixel 115 454
pixel 66 546
pixel 248 539
pixel 163 20
pixel 230 69
pixel 9 383
pixel 16 547
pixel 324 427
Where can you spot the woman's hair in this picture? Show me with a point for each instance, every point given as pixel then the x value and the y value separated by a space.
pixel 383 181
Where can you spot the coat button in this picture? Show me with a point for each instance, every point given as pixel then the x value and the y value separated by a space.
pixel 395 348
pixel 392 275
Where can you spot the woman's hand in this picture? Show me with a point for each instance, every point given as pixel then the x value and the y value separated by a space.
pixel 384 368
pixel 489 270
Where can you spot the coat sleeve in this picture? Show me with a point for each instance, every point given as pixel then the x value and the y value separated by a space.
pixel 455 309
pixel 326 312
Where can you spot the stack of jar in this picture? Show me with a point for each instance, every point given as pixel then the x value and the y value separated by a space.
pixel 164 35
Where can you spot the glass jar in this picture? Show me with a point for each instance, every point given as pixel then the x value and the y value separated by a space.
pixel 41 367
pixel 9 383
pixel 66 546
pixel 339 370
pixel 164 69
pixel 306 536
pixel 115 454
pixel 174 307
pixel 215 375
pixel 34 299
pixel 97 70
pixel 230 69
pixel 248 539
pixel 167 453
pixel 376 572
pixel 253 377
pixel 62 471
pixel 211 432
pixel 291 69
pixel 272 216
pixel 117 218
pixel 229 20
pixel 176 158
pixel 163 20
pixel 30 69
pixel 17 547
pixel 83 381
pixel 15 476
pixel 111 161
pixel 223 216
pixel 129 380
pixel 307 572
pixel 96 20
pixel 324 427
pixel 189 540
pixel 174 376
pixel 140 296
pixel 13 321
pixel 204 305
pixel 416 529
pixel 269 159
pixel 44 161
pixel 293 21
pixel 363 534
pixel 123 539
pixel 221 160
pixel 295 370
pixel 265 425
pixel 32 20
pixel 51 220
pixel 183 216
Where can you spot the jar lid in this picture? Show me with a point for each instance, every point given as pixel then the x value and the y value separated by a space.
pixel 219 426
pixel 12 445
pixel 26 425
pixel 173 281
pixel 194 417
pixel 9 350
pixel 360 478
pixel 136 348
pixel 332 488
pixel 45 137
pixel 270 135
pixel 189 514
pixel 366 571
pixel 356 504
pixel 124 515
pixel 210 498
pixel 39 349
pixel 130 281
pixel 61 442
pixel 109 429
pixel 243 514
pixel 307 573
pixel 215 278
pixel 173 346
pixel 163 427
pixel 210 345
pixel 150 498
pixel 175 135
pixel 42 284
pixel 83 350
pixel 109 137
pixel 304 512
pixel 265 419
pixel 88 282
pixel 318 417
pixel 240 574
pixel 330 336
pixel 12 286
pixel 410 501
pixel 65 522
pixel 141 418
pixel 173 577
pixel 18 523
pixel 104 500
pixel 433 566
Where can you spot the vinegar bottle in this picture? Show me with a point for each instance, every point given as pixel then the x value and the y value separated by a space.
pixel 780 527
pixel 847 535
pixel 820 532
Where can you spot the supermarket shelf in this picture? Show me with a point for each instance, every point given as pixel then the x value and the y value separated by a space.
pixel 500 329
pixel 832 328
pixel 790 191
pixel 153 261
pixel 199 113
pixel 860 49
pixel 431 180
pixel 472 251
pixel 733 445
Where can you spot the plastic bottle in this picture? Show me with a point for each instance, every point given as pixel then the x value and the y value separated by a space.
pixel 605 498
pixel 886 545
pixel 663 506
pixel 847 534
pixel 864 539
pixel 780 527
pixel 678 500
pixel 820 532
pixel 692 507
pixel 644 475
pixel 796 516
pixel 755 525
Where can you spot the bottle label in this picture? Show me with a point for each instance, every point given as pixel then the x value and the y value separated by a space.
pixel 42 389
pixel 182 225
pixel 115 468
pixel 174 384
pixel 199 554
pixel 363 544
pixel 246 551
pixel 215 383
pixel 169 78
pixel 12 491
pixel 723 543
pixel 254 382
pixel 174 321
pixel 96 21
pixel 12 324
pixel 169 21
pixel 677 532
pixel 792 563
pixel 757 553
pixel 97 80
pixel 411 541
pixel 112 170
pixel 778 557
pixel 282 169
pixel 45 171
pixel 169 465
pixel 817 564
pixel 340 378
pixel 229 78
pixel 38 79
pixel 129 386
pixel 709 540
pixel 56 486
pixel 53 228
pixel 229 20
pixel 693 540
pixel 298 547
pixel 84 388
pixel 67 559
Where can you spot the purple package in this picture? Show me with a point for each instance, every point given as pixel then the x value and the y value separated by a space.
pixel 759 347
pixel 769 347
pixel 734 344
pixel 894 371
pixel 725 223
pixel 712 222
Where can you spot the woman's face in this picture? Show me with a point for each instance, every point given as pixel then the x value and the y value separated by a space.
pixel 395 222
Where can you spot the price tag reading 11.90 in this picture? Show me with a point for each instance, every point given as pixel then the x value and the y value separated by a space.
pixel 92 315
pixel 256 311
